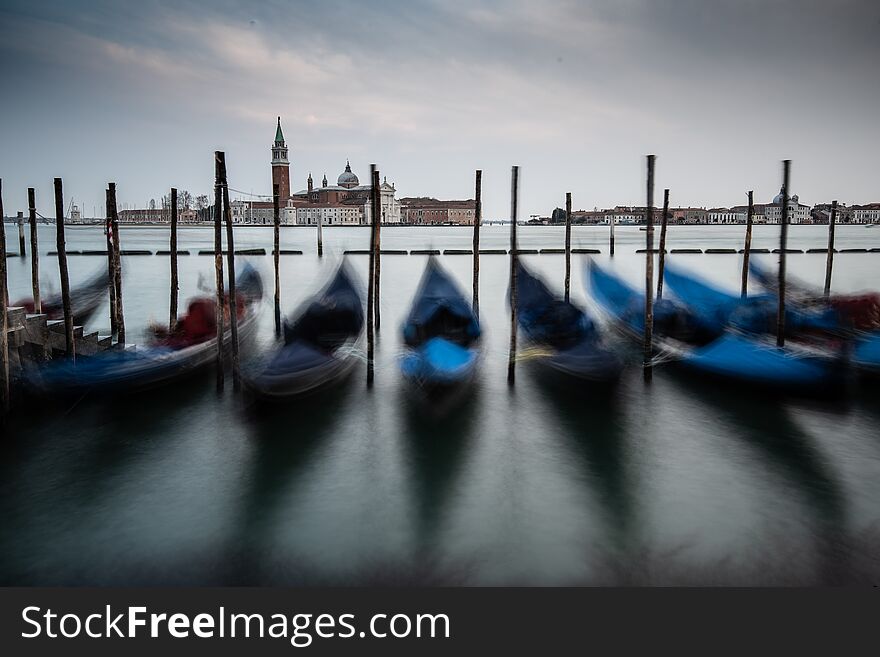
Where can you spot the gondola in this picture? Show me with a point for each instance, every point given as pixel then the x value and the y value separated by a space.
pixel 686 340
pixel 441 334
pixel 561 336
pixel 166 357
pixel 857 314
pixel 755 313
pixel 320 343
pixel 85 299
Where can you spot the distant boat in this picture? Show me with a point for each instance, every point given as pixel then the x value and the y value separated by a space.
pixel 751 360
pixel 170 356
pixel 564 338
pixel 442 335
pixel 320 343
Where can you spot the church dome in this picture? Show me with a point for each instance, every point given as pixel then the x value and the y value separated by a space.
pixel 777 200
pixel 347 178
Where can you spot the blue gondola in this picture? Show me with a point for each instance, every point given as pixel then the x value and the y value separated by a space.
pixel 563 337
pixel 167 357
pixel 753 360
pixel 441 334
pixel 320 343
pixel 757 313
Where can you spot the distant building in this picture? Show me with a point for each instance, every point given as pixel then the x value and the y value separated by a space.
pixel 866 214
pixel 422 210
pixel 798 213
pixel 725 216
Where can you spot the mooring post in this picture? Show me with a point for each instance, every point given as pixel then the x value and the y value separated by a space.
pixel 276 220
pixel 478 217
pixel 117 267
pixel 567 246
pixel 377 245
pixel 21 250
pixel 829 261
pixel 747 247
pixel 218 267
pixel 514 255
pixel 62 269
pixel 4 318
pixel 611 234
pixel 111 263
pixel 230 260
pixel 783 245
pixel 172 309
pixel 35 252
pixel 649 272
pixel 661 257
pixel 371 287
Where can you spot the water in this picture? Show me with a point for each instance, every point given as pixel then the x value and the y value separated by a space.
pixel 676 483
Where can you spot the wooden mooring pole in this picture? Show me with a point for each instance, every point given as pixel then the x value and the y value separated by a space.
pixel 649 272
pixel 218 267
pixel 371 287
pixel 478 217
pixel 111 262
pixel 35 251
pixel 230 275
pixel 377 244
pixel 117 267
pixel 661 257
pixel 611 234
pixel 829 260
pixel 783 245
pixel 276 221
pixel 62 269
pixel 567 246
pixel 172 308
pixel 747 247
pixel 4 318
pixel 21 250
pixel 514 255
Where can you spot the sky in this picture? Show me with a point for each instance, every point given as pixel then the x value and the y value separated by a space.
pixel 574 93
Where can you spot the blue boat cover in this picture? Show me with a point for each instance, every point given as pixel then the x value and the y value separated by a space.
pixel 740 357
pixel 547 319
pixel 330 320
pixel 866 352
pixel 440 310
pixel 439 361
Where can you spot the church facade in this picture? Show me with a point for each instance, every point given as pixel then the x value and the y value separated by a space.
pixel 345 203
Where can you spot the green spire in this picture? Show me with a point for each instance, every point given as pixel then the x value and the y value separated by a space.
pixel 279 136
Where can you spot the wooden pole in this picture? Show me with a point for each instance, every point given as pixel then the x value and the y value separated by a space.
pixel 567 246
pixel 218 266
pixel 611 235
pixel 478 217
pixel 371 288
pixel 62 268
pixel 230 260
pixel 276 219
pixel 649 272
pixel 783 245
pixel 514 255
pixel 35 252
pixel 21 250
pixel 377 241
pixel 320 236
pixel 829 260
pixel 4 317
pixel 117 267
pixel 111 263
pixel 661 264
pixel 747 247
pixel 172 309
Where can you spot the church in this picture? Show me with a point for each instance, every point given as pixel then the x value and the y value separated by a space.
pixel 345 203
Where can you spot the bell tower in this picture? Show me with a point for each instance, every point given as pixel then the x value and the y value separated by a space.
pixel 280 165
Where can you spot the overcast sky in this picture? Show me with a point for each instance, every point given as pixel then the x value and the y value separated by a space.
pixel 576 93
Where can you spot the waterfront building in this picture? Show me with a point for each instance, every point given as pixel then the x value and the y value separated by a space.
pixel 866 214
pixel 725 216
pixel 798 213
pixel 427 211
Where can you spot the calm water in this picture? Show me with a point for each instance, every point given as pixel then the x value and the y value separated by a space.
pixel 676 483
